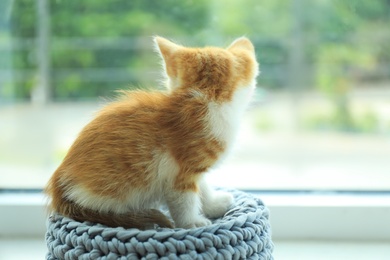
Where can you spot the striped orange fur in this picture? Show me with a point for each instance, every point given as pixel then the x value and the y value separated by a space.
pixel 153 148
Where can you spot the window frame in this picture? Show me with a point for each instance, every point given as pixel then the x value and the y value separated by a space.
pixel 293 215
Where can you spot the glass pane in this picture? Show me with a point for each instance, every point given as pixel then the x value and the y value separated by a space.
pixel 320 119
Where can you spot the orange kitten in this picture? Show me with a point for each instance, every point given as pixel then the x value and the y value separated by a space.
pixel 153 148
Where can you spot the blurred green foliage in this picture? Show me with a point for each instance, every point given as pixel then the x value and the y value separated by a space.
pixel 364 123
pixel 98 46
pixel 94 37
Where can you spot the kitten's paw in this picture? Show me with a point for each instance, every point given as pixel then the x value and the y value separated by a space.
pixel 198 222
pixel 201 222
pixel 219 204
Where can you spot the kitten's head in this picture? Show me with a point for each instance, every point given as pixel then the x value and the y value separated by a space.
pixel 214 72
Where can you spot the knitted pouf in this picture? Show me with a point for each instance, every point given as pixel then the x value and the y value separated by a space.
pixel 243 233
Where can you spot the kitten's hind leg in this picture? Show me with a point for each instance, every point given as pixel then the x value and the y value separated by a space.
pixel 214 203
pixel 185 209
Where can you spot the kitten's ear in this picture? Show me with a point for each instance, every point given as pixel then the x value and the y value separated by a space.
pixel 242 43
pixel 165 47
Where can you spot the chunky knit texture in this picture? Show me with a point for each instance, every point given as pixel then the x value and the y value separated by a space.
pixel 243 233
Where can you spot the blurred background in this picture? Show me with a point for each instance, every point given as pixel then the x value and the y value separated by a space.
pixel 320 119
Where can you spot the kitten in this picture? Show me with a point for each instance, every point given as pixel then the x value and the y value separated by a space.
pixel 153 148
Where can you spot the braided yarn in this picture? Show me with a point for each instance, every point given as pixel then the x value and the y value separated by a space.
pixel 243 233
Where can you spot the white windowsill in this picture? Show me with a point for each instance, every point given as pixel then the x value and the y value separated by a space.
pixel 293 216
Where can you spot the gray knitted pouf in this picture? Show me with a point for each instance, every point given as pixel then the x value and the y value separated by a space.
pixel 243 233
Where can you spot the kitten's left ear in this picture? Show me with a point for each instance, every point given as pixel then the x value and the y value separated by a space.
pixel 166 47
pixel 242 43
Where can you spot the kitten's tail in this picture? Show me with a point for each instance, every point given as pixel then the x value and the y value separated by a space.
pixel 145 219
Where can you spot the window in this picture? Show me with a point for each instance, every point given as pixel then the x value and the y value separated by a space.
pixel 320 119
pixel 319 122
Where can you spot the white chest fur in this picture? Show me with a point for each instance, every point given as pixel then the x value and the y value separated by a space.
pixel 224 119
